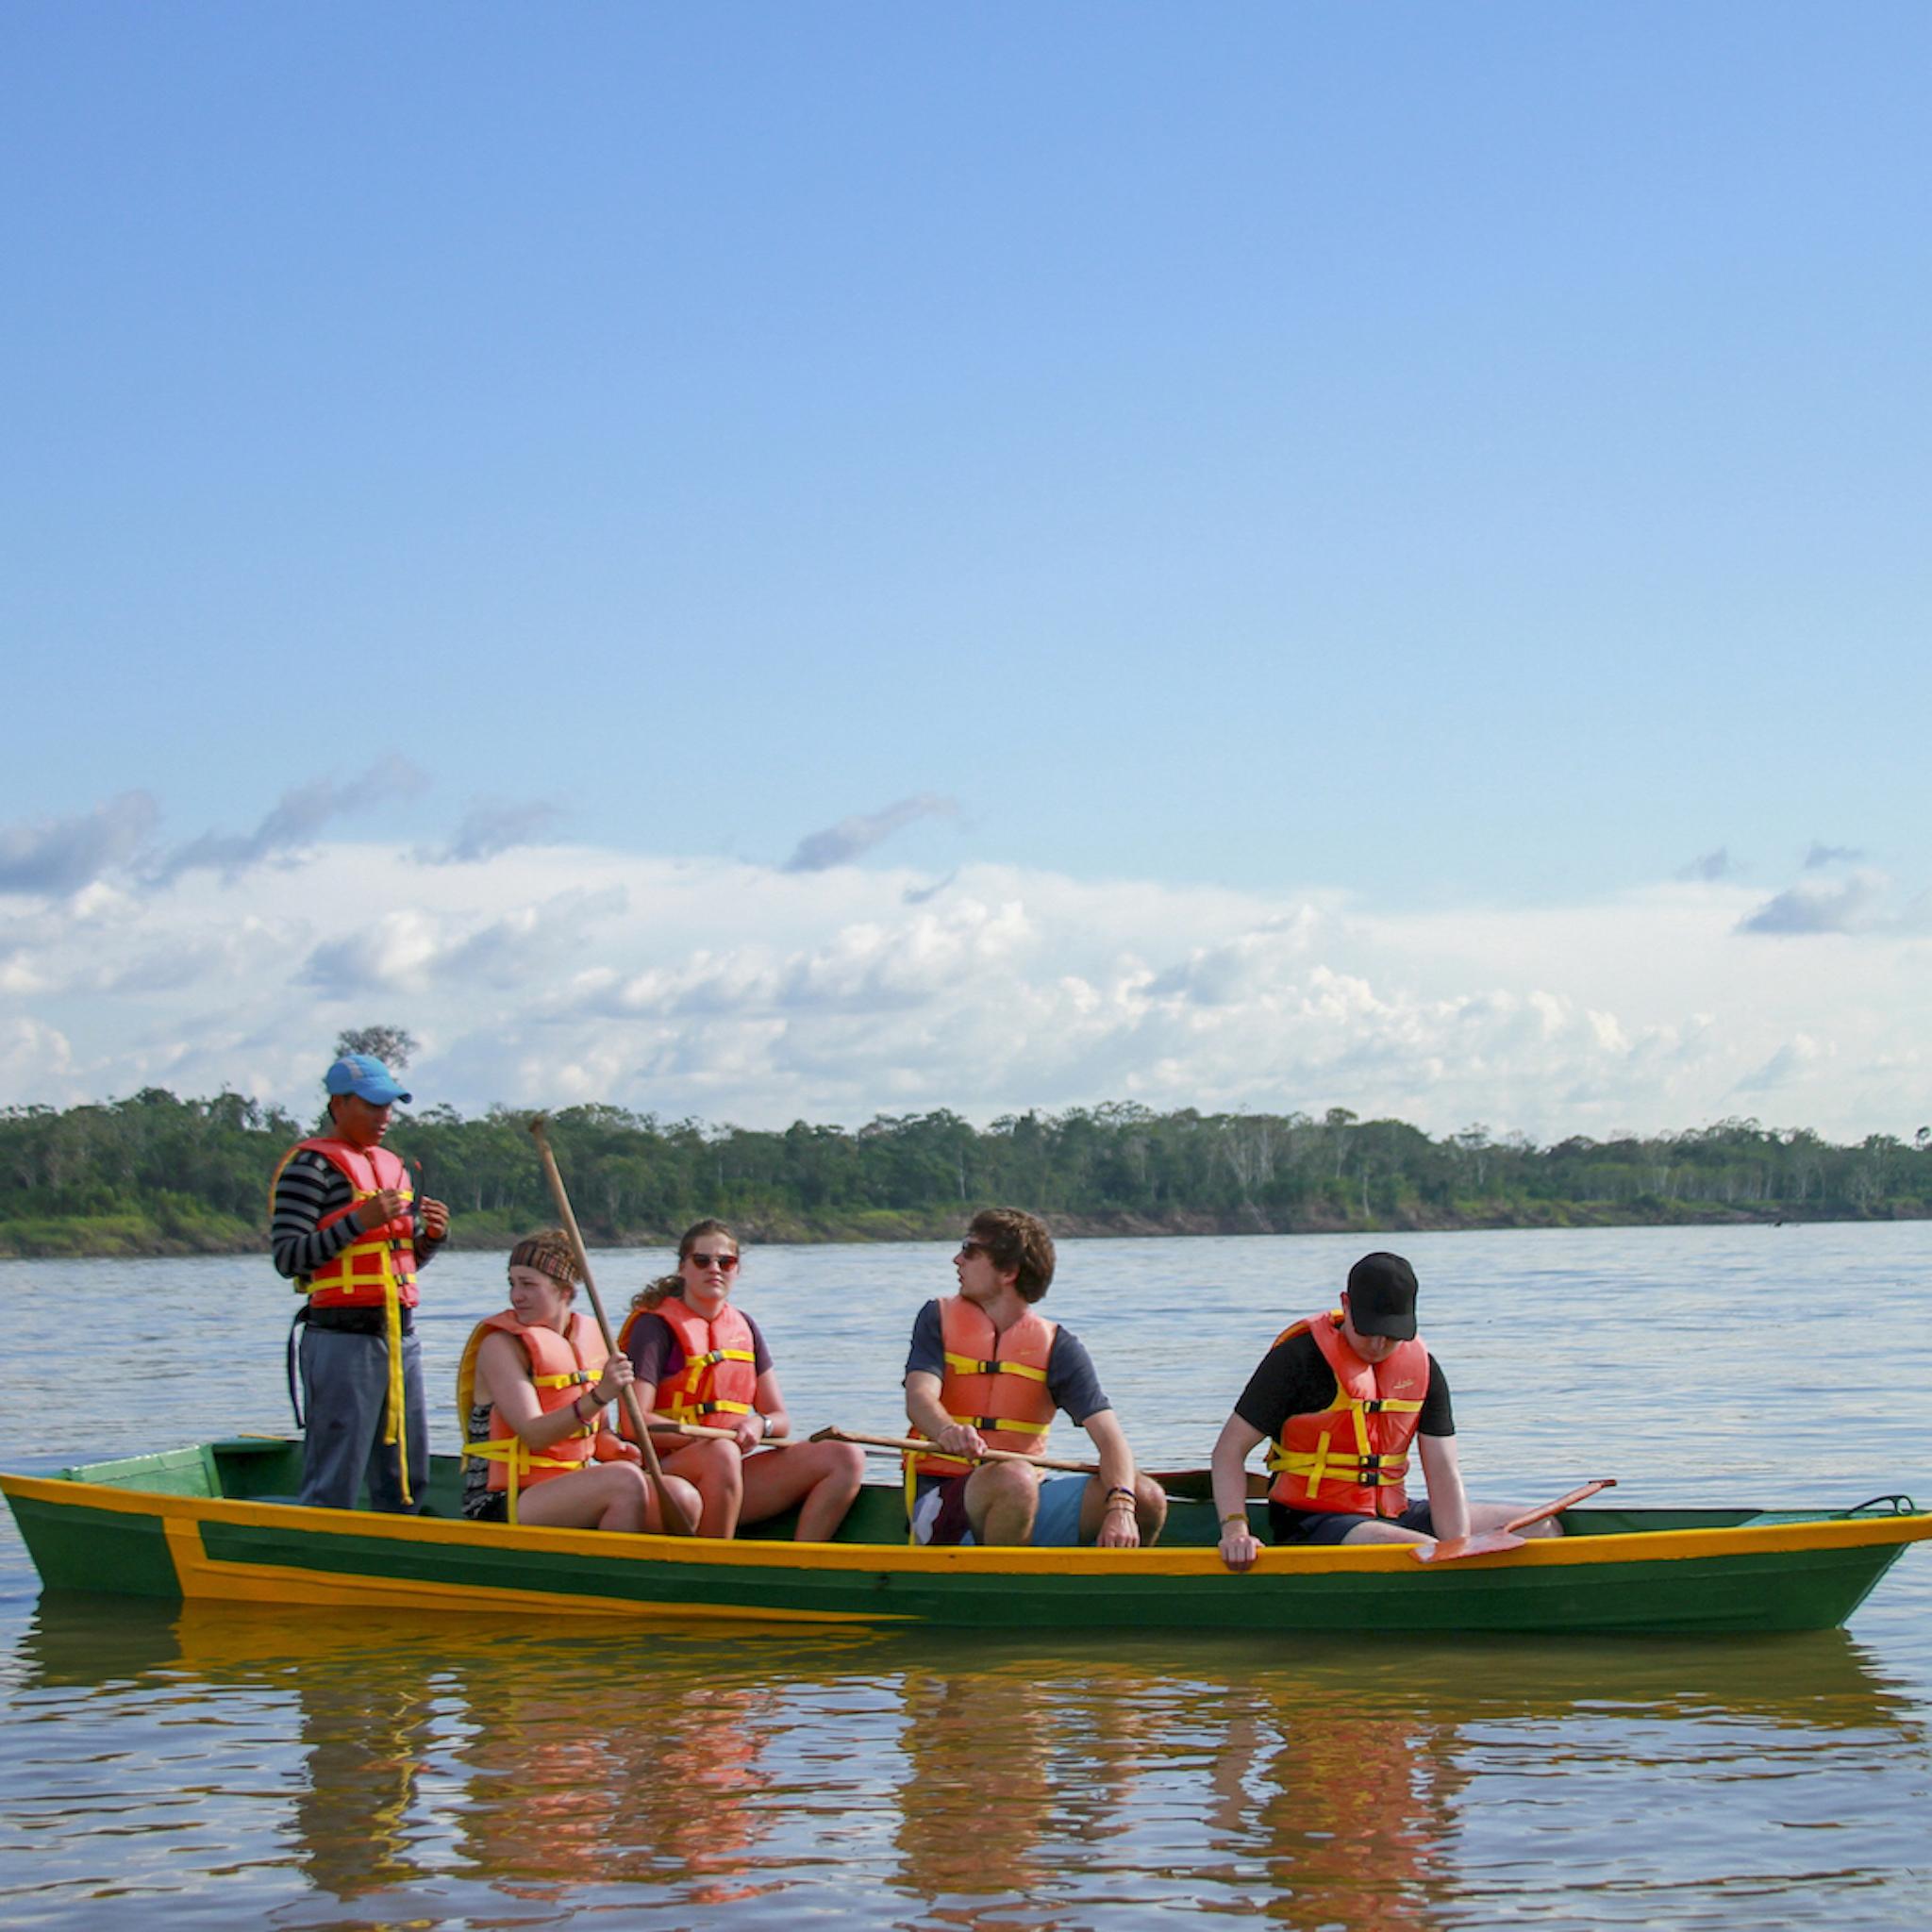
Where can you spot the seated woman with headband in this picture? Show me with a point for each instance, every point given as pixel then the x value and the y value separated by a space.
pixel 532 1397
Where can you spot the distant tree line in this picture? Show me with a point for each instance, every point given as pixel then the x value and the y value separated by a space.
pixel 155 1174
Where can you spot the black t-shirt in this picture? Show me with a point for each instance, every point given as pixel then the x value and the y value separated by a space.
pixel 1294 1378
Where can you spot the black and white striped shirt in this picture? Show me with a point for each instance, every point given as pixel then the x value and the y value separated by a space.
pixel 310 1187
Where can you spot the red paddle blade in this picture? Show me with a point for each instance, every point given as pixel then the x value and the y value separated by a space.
pixel 1489 1541
pixel 1493 1540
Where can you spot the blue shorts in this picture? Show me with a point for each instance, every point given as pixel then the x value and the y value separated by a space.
pixel 1057 1521
pixel 939 1515
pixel 1332 1526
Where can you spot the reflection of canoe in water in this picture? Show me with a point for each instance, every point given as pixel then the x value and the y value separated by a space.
pixel 1816 1680
pixel 214 1523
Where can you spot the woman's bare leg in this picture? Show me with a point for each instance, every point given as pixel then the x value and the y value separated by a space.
pixel 823 1478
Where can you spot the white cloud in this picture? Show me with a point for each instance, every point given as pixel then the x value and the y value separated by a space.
pixel 741 993
pixel 35 1060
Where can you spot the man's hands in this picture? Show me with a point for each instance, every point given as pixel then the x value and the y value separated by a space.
pixel 1239 1548
pixel 386 1204
pixel 960 1439
pixel 1120 1528
pixel 382 1206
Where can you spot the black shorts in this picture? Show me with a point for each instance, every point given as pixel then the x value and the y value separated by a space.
pixel 1332 1526
pixel 492 1505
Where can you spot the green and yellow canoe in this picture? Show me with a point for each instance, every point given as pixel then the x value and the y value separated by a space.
pixel 215 1523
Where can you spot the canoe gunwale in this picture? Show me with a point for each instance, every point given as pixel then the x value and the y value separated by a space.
pixel 1822 1532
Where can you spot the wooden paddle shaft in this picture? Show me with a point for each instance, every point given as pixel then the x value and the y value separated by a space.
pixel 673 1509
pixel 663 1426
pixel 907 1445
pixel 1561 1504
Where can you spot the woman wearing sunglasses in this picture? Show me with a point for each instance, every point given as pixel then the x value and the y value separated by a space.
pixel 701 1361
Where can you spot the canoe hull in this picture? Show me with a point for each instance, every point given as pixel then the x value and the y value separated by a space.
pixel 154 1527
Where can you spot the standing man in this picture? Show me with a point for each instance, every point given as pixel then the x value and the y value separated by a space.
pixel 348 1231
pixel 1342 1395
pixel 985 1372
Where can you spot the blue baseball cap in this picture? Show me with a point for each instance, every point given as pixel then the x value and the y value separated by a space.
pixel 365 1077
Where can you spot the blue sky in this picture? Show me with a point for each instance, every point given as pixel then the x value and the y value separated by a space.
pixel 1266 493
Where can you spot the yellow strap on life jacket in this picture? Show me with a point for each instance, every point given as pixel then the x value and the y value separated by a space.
pixel 982 1422
pixel 394 1429
pixel 508 1451
pixel 720 1355
pixel 971 1365
pixel 1368 1471
pixel 681 1410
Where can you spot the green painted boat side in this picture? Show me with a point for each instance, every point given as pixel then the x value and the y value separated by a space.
pixel 214 1522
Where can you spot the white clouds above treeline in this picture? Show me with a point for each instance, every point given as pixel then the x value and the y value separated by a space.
pixel 545 974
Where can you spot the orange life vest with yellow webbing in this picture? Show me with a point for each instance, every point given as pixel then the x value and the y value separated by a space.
pixel 379 1258
pixel 995 1381
pixel 1352 1455
pixel 561 1367
pixel 377 1270
pixel 719 1379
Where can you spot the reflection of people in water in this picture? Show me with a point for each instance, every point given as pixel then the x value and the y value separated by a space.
pixel 979 1795
pixel 1351 1809
pixel 558 1794
pixel 367 1732
pixel 1008 1765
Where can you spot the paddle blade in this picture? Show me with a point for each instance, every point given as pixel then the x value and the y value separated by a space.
pixel 1454 1548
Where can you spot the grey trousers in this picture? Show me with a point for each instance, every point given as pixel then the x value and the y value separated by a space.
pixel 344 1389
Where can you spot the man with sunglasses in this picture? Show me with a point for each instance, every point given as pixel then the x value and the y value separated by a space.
pixel 985 1372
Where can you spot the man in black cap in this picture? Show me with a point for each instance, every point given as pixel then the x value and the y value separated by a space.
pixel 1341 1396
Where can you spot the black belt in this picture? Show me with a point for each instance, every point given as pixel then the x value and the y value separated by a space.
pixel 357 1320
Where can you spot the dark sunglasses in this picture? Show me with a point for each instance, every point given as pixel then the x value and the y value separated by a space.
pixel 728 1263
pixel 970 1247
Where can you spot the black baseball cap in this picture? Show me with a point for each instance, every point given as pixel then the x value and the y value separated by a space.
pixel 1381 1297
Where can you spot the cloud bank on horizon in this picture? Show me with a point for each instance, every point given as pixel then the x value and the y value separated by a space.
pixel 547 975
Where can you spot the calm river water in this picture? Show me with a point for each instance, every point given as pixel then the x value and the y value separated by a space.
pixel 215 1769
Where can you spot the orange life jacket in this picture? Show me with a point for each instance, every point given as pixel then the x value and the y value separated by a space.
pixel 1352 1455
pixel 377 1270
pixel 561 1366
pixel 720 1377
pixel 995 1381
pixel 360 1275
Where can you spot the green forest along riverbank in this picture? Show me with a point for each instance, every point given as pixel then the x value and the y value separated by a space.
pixel 154 1175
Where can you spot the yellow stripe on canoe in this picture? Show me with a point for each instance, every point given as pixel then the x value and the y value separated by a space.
pixel 1666 1545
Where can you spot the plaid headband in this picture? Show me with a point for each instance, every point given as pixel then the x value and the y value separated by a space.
pixel 548 1253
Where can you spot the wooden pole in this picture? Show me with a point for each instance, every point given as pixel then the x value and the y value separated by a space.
pixel 675 1521
pixel 907 1445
